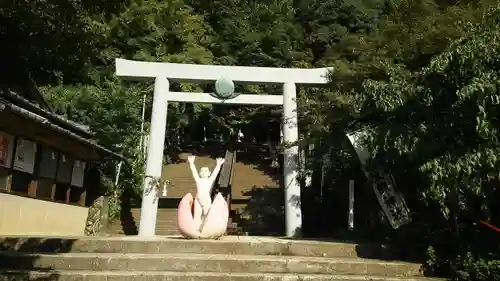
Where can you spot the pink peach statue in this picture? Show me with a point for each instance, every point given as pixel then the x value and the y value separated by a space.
pixel 199 217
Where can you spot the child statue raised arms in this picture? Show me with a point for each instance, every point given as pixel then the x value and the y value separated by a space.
pixel 205 181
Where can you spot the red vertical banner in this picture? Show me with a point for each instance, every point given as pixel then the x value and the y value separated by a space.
pixel 4 150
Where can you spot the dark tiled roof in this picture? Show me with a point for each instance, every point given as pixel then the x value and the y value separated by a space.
pixel 58 119
pixel 34 112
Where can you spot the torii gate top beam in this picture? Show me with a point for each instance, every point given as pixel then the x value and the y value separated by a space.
pixel 137 70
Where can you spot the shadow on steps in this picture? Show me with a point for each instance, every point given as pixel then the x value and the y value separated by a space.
pixel 33 245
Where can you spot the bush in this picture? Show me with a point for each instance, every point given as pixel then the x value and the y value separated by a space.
pixel 480 269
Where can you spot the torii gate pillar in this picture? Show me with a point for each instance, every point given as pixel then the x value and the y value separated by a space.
pixel 293 213
pixel 154 158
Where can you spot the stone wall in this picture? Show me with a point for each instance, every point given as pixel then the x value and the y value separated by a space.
pixel 21 215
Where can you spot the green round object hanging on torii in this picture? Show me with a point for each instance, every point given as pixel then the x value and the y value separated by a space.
pixel 224 89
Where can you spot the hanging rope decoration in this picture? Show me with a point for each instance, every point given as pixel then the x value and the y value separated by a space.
pixel 224 89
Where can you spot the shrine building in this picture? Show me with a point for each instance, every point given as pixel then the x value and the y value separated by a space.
pixel 47 179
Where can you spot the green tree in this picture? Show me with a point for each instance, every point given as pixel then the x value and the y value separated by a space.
pixel 427 133
pixel 439 126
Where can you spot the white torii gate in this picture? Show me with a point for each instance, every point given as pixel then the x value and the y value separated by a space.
pixel 162 72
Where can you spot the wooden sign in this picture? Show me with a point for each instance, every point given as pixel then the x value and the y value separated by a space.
pixel 391 201
pixel 6 149
pixel 78 173
pixel 24 159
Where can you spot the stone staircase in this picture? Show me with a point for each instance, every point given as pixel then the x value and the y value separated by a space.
pixel 248 178
pixel 172 259
pixel 166 222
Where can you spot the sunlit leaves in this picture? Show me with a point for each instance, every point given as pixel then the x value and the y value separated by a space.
pixel 453 98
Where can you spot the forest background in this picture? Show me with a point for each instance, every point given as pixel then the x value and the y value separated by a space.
pixel 423 73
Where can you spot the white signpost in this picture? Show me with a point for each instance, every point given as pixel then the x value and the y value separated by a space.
pixel 163 72
pixel 350 216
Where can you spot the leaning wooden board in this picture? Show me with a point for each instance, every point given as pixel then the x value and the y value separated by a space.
pixel 225 174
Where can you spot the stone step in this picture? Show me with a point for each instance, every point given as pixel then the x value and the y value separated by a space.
pixel 166 226
pixel 71 275
pixel 206 263
pixel 169 231
pixel 242 245
pixel 166 223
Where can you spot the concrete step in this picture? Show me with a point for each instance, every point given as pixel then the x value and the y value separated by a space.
pixel 166 223
pixel 72 275
pixel 227 245
pixel 170 231
pixel 207 263
pixel 166 226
